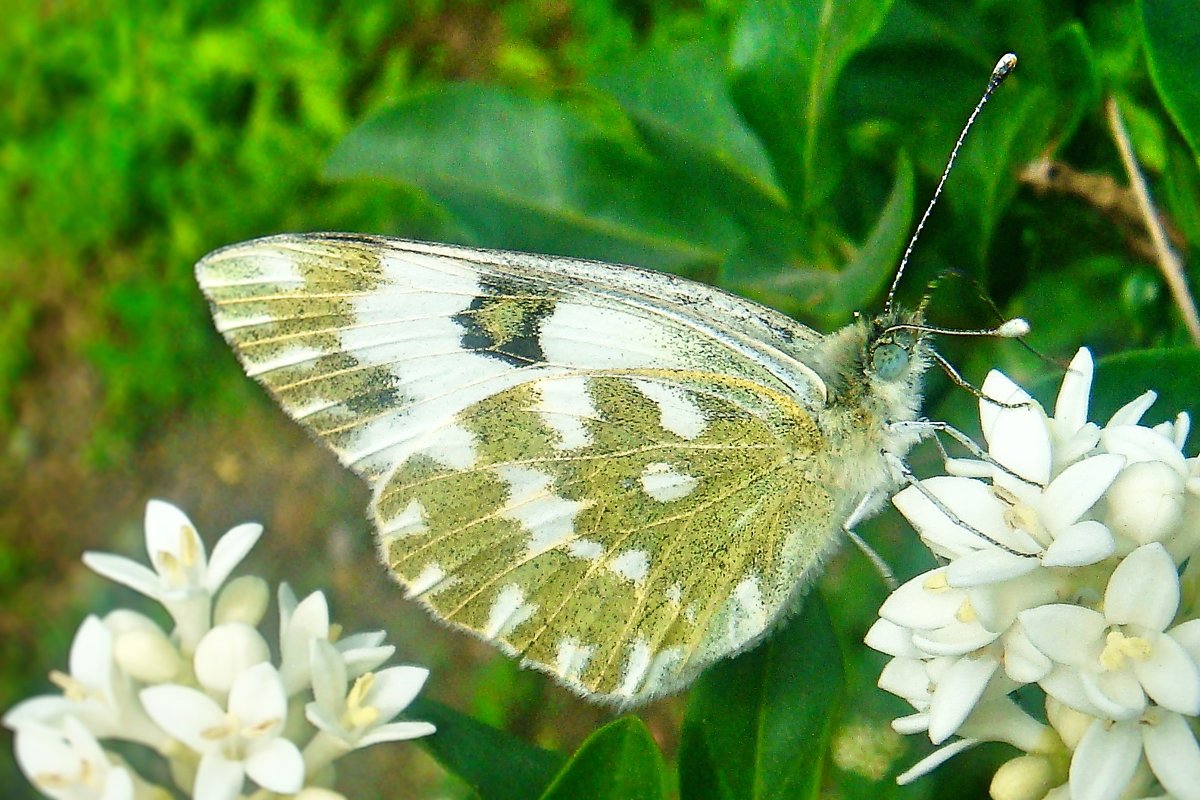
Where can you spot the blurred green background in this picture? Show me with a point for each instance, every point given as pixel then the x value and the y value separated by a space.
pixel 780 149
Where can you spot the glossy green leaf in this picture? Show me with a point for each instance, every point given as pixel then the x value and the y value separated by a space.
pixel 786 57
pixel 1171 35
pixel 618 762
pixel 783 282
pixel 532 175
pixel 758 726
pixel 679 100
pixel 497 765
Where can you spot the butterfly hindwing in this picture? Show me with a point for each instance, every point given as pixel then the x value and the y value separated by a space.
pixel 610 472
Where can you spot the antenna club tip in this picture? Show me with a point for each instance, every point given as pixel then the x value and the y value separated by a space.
pixel 1006 64
pixel 1013 329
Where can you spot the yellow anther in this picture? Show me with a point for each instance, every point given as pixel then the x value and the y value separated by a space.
pixel 936 583
pixel 966 612
pixel 1118 647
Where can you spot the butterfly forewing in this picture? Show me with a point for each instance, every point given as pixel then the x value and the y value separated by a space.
pixel 616 486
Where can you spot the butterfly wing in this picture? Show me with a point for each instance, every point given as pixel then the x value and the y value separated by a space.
pixel 611 472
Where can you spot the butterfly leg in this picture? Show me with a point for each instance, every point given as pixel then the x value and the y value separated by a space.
pixel 866 508
pixel 912 480
pixel 925 428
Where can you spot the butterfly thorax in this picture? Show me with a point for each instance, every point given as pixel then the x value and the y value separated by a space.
pixel 872 371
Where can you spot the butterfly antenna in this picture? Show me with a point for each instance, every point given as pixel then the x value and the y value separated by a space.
pixel 1006 64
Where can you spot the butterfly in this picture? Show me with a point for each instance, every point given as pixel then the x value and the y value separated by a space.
pixel 617 475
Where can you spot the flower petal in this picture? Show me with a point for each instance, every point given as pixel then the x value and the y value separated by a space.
pixel 1080 544
pixel 972 501
pixel 1077 489
pixel 218 778
pixel 1118 694
pixel 1105 761
pixel 277 766
pixel 1071 406
pixel 396 732
pixel 1131 413
pixel 229 552
pixel 168 530
pixel 185 713
pixel 1065 685
pixel 924 602
pixel 1140 444
pixel 257 697
pixel 1173 754
pixel 1022 661
pixel 1068 634
pixel 395 688
pixel 892 639
pixel 957 693
pixel 1170 676
pixel 934 760
pixel 329 678
pixel 1017 437
pixel 956 639
pixel 124 571
pixel 1188 635
pixel 988 566
pixel 907 678
pixel 1143 589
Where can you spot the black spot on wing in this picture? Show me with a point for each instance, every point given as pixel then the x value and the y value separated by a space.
pixel 505 322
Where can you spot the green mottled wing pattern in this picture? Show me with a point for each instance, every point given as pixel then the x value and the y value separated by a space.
pixel 611 473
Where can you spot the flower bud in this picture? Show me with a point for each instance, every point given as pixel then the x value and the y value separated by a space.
pixel 147 655
pixel 243 599
pixel 1025 777
pixel 225 652
pixel 1145 502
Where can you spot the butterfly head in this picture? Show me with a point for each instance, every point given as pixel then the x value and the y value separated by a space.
pixel 876 364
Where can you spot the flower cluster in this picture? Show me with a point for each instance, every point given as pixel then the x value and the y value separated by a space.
pixel 1069 562
pixel 206 696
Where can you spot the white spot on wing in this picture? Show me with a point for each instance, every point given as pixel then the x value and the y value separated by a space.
pixel 508 611
pixel 594 337
pixel 632 565
pixel 747 614
pixel 430 580
pixel 664 484
pixel 587 549
pixel 564 404
pixel 550 519
pixel 571 658
pixel 677 412
pixel 410 522
pixel 662 663
pixel 636 666
pixel 675 593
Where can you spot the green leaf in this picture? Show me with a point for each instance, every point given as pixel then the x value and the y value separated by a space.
pixel 786 57
pixel 1171 35
pixel 680 102
pixel 1171 372
pixel 497 765
pixel 758 726
pixel 802 289
pixel 620 761
pixel 532 175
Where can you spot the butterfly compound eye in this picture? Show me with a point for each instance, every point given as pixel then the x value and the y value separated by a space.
pixel 889 361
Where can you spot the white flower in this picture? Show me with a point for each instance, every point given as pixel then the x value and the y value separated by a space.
pixel 1062 544
pixel 1109 753
pixel 359 715
pixel 225 652
pixel 184 578
pixel 1118 657
pixel 67 763
pixel 94 691
pixel 241 741
pixel 301 623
